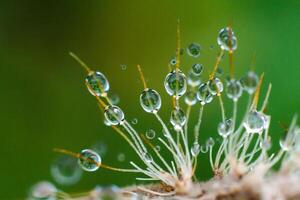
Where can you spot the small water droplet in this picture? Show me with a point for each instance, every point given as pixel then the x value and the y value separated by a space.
pixel 123 66
pixel 255 122
pixel 190 98
pixel 178 119
pixel 215 86
pixel 150 134
pixel 227 40
pixel 210 142
pixel 157 147
pixel 89 160
pixel 203 94
pixel 249 82
pixel 121 157
pixel 114 98
pixel 193 50
pixel 97 84
pixel 225 128
pixel 234 89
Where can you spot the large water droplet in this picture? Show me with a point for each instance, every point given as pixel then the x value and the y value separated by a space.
pixel 203 94
pixel 255 122
pixel 178 119
pixel 114 115
pixel 249 82
pixel 150 100
pixel 97 84
pixel 227 40
pixel 234 89
pixel 225 128
pixel 89 160
pixel 65 170
pixel 215 86
pixel 194 50
pixel 175 83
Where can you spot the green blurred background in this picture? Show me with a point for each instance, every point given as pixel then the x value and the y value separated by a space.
pixel 44 103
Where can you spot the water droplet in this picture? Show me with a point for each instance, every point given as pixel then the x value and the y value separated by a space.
pixel 150 100
pixel 121 157
pixel 203 94
pixel 249 82
pixel 190 98
pixel 123 66
pixel 114 115
pixel 210 142
pixel 227 40
pixel 234 89
pixel 175 83
pixel 194 50
pixel 134 121
pixel 178 119
pixel 106 123
pixel 114 98
pixel 194 75
pixel 195 149
pixel 89 160
pixel 150 134
pixel 215 86
pixel 173 61
pixel 255 122
pixel 97 84
pixel 225 128
pixel 157 147
pixel 65 170
pixel 44 190
pixel 204 149
pixel 148 158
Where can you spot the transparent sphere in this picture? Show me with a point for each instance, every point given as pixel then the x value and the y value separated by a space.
pixel 210 142
pixel 225 128
pixel 194 50
pixel 97 84
pixel 215 86
pixel 195 149
pixel 44 190
pixel 150 101
pixel 190 98
pixel 114 115
pixel 173 61
pixel 65 170
pixel 203 94
pixel 234 89
pixel 249 82
pixel 255 122
pixel 194 75
pixel 89 160
pixel 226 40
pixel 178 119
pixel 175 83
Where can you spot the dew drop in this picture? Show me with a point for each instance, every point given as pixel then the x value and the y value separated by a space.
pixel 190 98
pixel 150 100
pixel 194 75
pixel 121 157
pixel 173 61
pixel 114 98
pixel 249 82
pixel 193 50
pixel 65 170
pixel 175 83
pixel 226 40
pixel 195 149
pixel 255 122
pixel 123 66
pixel 210 142
pixel 234 89
pixel 134 121
pixel 97 84
pixel 150 134
pixel 89 160
pixel 114 115
pixel 44 190
pixel 157 148
pixel 203 94
pixel 215 86
pixel 178 119
pixel 225 128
